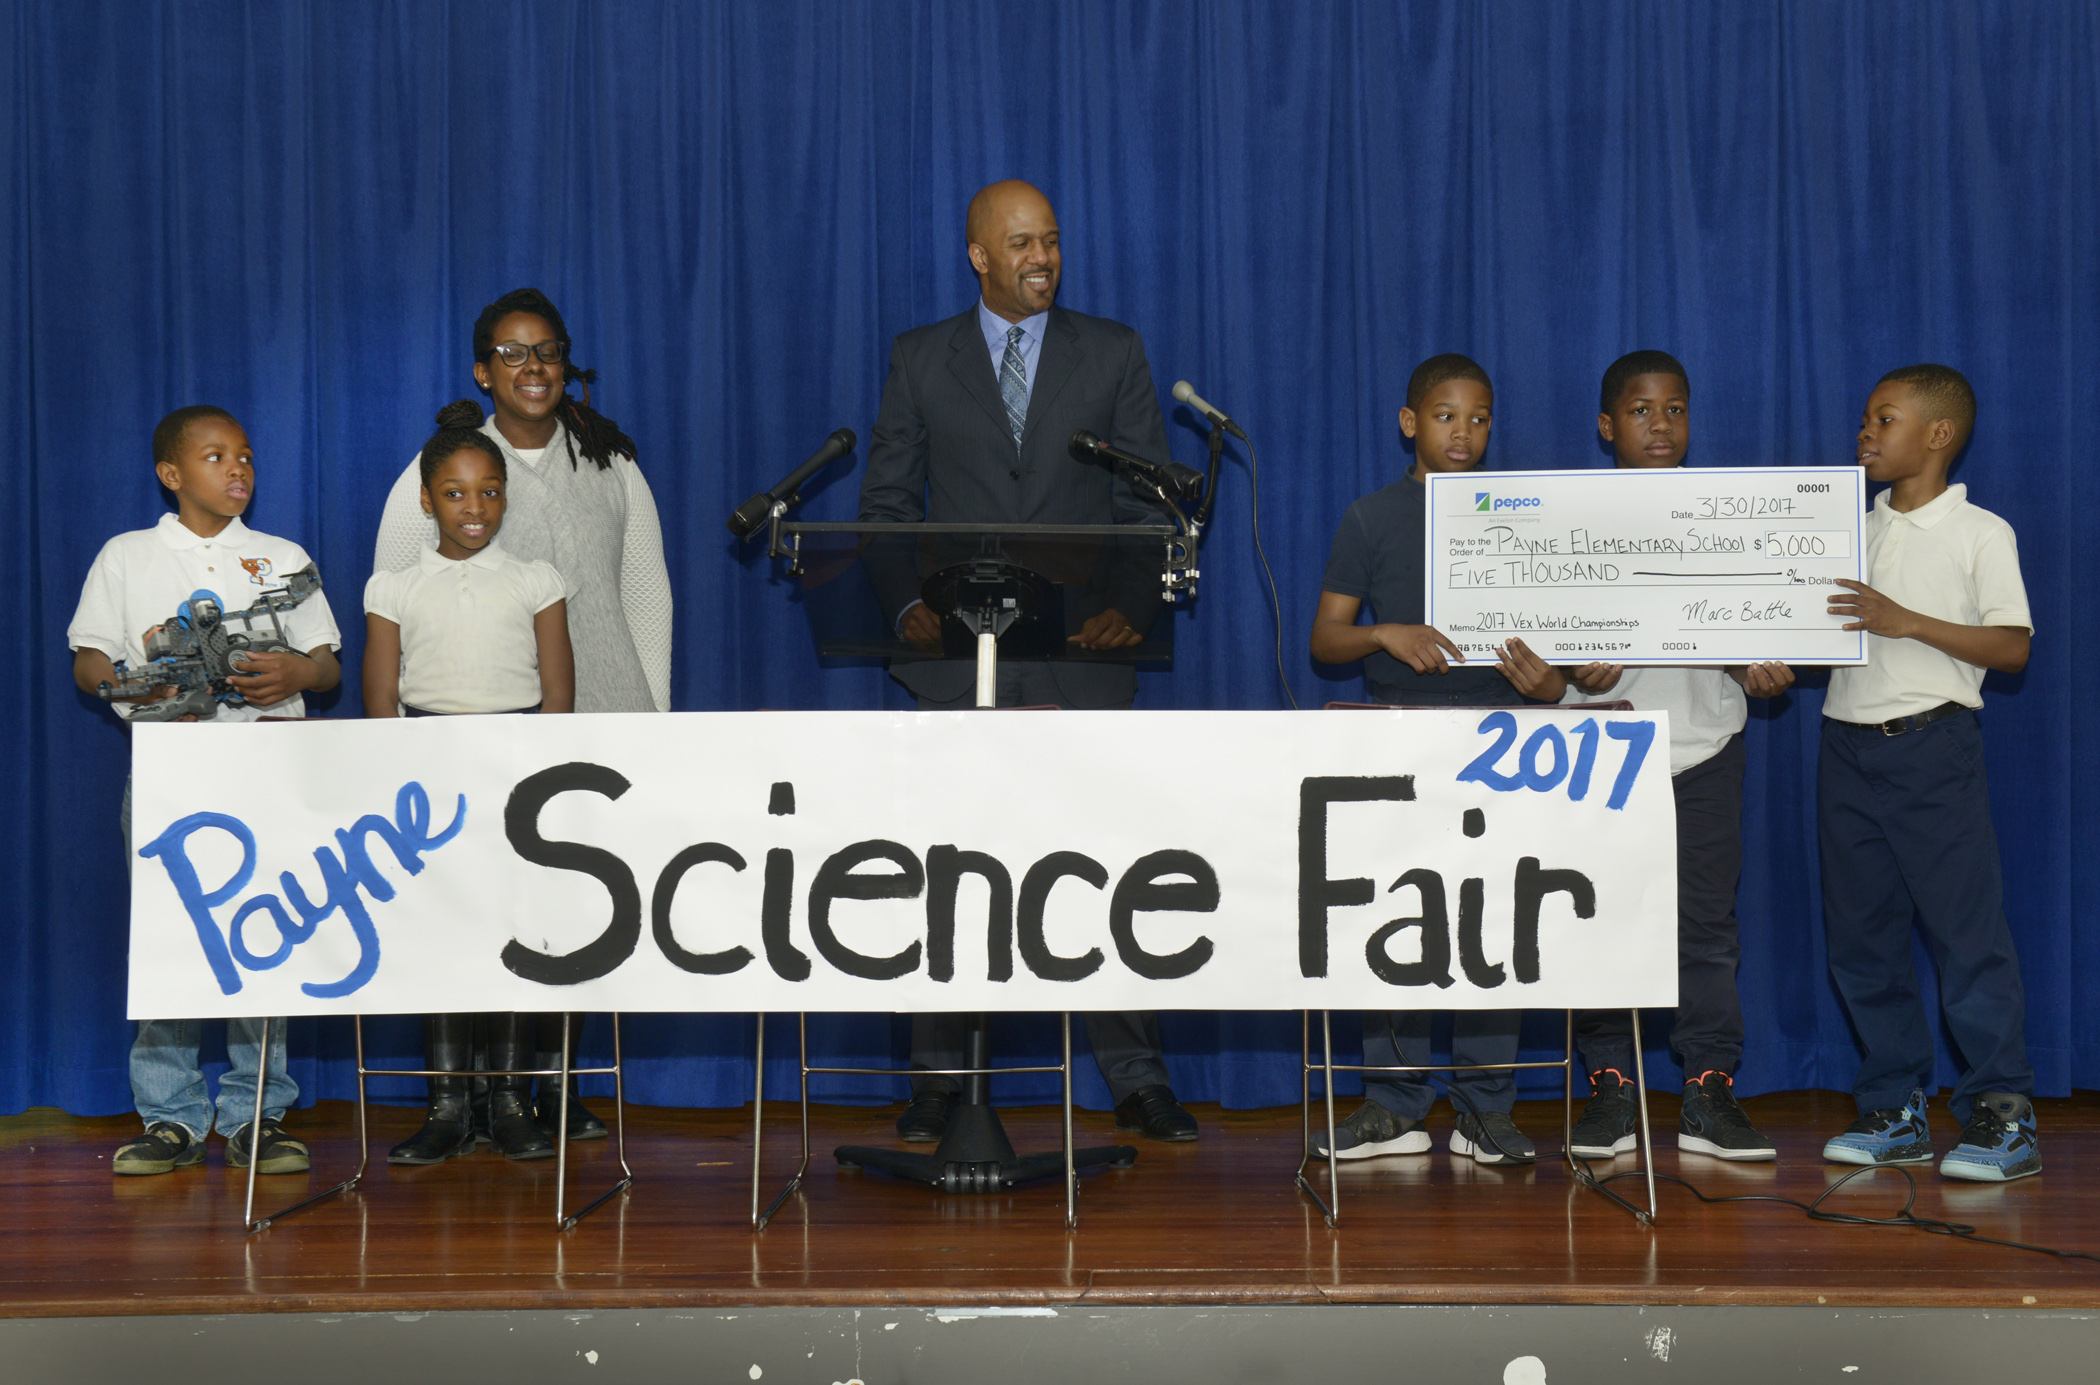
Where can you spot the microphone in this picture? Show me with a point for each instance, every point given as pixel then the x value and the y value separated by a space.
pixel 1186 393
pixel 1171 478
pixel 753 512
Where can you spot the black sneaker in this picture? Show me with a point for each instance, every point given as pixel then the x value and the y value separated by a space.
pixel 1370 1132
pixel 164 1148
pixel 1491 1138
pixel 1713 1124
pixel 1608 1124
pixel 280 1152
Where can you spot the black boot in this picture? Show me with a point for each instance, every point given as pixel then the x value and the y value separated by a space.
pixel 511 1126
pixel 582 1124
pixel 449 1128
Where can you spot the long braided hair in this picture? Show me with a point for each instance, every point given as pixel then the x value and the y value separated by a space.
pixel 596 436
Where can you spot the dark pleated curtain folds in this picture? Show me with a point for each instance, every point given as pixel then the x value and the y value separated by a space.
pixel 295 211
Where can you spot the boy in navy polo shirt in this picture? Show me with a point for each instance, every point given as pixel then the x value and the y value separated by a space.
pixel 139 578
pixel 1903 809
pixel 1377 558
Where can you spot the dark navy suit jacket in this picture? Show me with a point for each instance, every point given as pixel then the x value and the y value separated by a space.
pixel 942 452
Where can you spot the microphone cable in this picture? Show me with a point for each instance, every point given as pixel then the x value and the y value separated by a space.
pixel 1815 1211
pixel 1275 603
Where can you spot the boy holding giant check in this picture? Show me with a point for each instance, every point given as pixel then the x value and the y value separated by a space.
pixel 1920 598
pixel 1664 568
pixel 1377 563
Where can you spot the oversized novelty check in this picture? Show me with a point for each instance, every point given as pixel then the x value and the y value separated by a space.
pixel 1700 565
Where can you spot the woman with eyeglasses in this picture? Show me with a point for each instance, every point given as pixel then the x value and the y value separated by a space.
pixel 578 502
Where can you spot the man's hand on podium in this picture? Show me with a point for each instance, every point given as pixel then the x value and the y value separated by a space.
pixel 1109 630
pixel 921 627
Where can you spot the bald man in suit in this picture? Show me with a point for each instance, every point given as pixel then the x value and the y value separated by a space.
pixel 976 418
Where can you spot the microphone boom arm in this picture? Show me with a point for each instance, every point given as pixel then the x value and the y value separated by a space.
pixel 747 517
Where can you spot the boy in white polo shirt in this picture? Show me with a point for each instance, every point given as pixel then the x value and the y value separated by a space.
pixel 137 582
pixel 1903 807
pixel 1645 416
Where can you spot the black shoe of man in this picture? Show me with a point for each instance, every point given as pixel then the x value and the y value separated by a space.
pixel 925 1117
pixel 1154 1113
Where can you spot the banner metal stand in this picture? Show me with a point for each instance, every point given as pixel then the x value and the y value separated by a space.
pixel 563 1219
pixel 1331 1206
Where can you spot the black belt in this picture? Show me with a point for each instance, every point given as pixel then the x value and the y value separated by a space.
pixel 1896 726
pixel 409 711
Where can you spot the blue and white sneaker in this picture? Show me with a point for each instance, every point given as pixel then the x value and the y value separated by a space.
pixel 1886 1136
pixel 1999 1143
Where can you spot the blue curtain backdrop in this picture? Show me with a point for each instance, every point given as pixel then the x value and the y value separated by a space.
pixel 295 211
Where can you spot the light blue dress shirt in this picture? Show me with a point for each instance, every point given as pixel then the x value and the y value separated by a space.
pixel 995 328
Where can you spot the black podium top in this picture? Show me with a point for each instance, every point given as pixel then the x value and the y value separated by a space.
pixel 857 580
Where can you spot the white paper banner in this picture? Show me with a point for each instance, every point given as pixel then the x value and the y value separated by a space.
pixel 1675 565
pixel 905 861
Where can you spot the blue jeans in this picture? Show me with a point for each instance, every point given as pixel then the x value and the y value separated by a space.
pixel 167 1085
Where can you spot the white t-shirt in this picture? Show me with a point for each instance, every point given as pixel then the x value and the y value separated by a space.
pixel 1947 559
pixel 1706 707
pixel 140 577
pixel 467 640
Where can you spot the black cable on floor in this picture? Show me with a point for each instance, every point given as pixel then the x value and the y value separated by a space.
pixel 1903 1216
pixel 1815 1210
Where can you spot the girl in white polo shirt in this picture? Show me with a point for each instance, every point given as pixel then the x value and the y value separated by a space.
pixel 469 630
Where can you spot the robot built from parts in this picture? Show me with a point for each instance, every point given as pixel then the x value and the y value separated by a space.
pixel 197 651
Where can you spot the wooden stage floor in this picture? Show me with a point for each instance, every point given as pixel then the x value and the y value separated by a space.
pixel 1214 1222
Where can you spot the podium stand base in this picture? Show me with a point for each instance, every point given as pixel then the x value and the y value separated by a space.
pixel 976 1157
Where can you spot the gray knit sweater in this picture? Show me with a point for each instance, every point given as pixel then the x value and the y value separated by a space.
pixel 599 530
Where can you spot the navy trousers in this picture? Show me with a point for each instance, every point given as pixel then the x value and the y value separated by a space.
pixel 1906 834
pixel 1125 1042
pixel 1401 1037
pixel 1708 1034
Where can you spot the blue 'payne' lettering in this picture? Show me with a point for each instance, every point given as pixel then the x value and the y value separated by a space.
pixel 345 870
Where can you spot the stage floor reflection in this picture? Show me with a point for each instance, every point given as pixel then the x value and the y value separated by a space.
pixel 1216 1221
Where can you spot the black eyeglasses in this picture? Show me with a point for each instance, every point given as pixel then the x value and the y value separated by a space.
pixel 552 352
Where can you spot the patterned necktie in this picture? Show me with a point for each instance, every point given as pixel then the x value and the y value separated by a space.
pixel 1013 385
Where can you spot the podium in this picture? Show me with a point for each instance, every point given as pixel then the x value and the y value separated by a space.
pixel 1028 587
pixel 1017 592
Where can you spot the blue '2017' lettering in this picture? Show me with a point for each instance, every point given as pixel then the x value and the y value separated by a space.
pixel 1548 740
pixel 344 871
